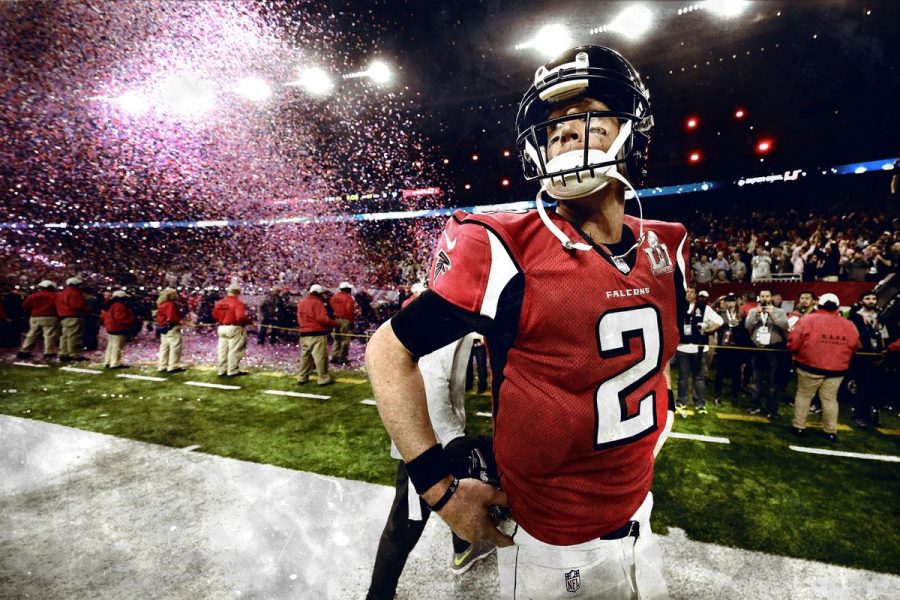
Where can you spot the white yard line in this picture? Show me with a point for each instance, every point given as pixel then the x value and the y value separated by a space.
pixel 218 386
pixel 369 402
pixel 483 414
pixel 700 438
pixel 295 394
pixel 25 364
pixel 191 448
pixel 881 457
pixel 78 370
pixel 140 377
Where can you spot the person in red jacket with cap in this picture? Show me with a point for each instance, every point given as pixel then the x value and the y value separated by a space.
pixel 119 322
pixel 314 327
pixel 168 326
pixel 823 343
pixel 72 309
pixel 344 307
pixel 41 305
pixel 231 315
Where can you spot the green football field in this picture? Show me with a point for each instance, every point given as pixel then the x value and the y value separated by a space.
pixel 753 492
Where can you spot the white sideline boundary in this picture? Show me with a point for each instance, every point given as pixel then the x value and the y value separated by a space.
pixel 33 365
pixel 481 413
pixel 368 402
pixel 295 394
pixel 140 377
pixel 80 370
pixel 825 452
pixel 217 386
pixel 699 438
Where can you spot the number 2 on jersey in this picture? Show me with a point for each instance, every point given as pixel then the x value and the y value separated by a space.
pixel 618 331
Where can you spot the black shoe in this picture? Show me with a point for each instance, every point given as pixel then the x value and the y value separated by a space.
pixel 23 354
pixel 49 356
pixel 65 358
pixel 80 358
pixel 797 431
pixel 120 367
pixel 238 374
pixel 178 370
pixel 831 437
pixel 304 382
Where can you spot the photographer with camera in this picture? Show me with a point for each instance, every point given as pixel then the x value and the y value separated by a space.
pixel 871 389
pixel 768 326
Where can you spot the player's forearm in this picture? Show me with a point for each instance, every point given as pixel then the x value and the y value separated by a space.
pixel 399 393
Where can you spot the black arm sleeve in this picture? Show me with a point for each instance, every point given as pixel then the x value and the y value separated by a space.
pixel 429 322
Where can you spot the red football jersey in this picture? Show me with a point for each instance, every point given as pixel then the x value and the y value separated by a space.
pixel 577 349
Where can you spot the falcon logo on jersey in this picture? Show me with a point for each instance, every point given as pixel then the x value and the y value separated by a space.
pixel 658 253
pixel 573 580
pixel 442 265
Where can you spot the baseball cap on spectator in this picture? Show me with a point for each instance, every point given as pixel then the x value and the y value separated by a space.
pixel 46 284
pixel 316 289
pixel 119 294
pixel 730 298
pixel 829 299
pixel 345 285
pixel 703 294
pixel 233 288
pixel 418 288
pixel 73 281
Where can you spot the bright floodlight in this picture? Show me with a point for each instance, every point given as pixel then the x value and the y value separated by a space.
pixel 633 22
pixel 379 72
pixel 254 88
pixel 726 8
pixel 132 102
pixel 550 40
pixel 315 81
pixel 187 95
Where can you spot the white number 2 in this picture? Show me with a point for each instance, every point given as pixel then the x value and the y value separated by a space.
pixel 616 331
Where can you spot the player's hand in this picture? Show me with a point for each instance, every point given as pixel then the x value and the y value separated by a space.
pixel 468 512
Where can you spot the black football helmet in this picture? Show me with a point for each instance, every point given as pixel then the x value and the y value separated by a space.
pixel 586 71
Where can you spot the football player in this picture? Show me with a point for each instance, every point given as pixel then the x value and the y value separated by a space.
pixel 579 306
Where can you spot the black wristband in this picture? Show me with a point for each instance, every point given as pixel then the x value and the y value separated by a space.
pixel 447 495
pixel 428 468
pixel 671 400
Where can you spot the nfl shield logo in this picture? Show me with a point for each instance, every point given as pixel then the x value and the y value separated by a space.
pixel 573 581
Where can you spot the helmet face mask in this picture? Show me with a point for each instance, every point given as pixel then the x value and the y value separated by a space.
pixel 584 73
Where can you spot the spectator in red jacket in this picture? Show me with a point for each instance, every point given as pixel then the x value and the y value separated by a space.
pixel 314 327
pixel 119 322
pixel 168 326
pixel 231 315
pixel 72 309
pixel 344 307
pixel 41 305
pixel 823 342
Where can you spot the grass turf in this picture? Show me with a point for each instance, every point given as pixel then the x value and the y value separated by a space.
pixel 754 493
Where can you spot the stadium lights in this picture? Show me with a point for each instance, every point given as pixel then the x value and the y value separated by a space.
pixel 722 8
pixel 254 88
pixel 694 157
pixel 764 146
pixel 740 113
pixel 550 40
pixel 692 123
pixel 315 81
pixel 132 102
pixel 187 95
pixel 379 72
pixel 632 23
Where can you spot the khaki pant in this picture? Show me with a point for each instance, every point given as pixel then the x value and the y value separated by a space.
pixel 49 326
pixel 807 386
pixel 232 345
pixel 341 340
pixel 169 349
pixel 622 569
pixel 314 355
pixel 114 345
pixel 70 341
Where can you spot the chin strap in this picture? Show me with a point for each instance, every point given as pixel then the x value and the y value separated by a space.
pixel 567 242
